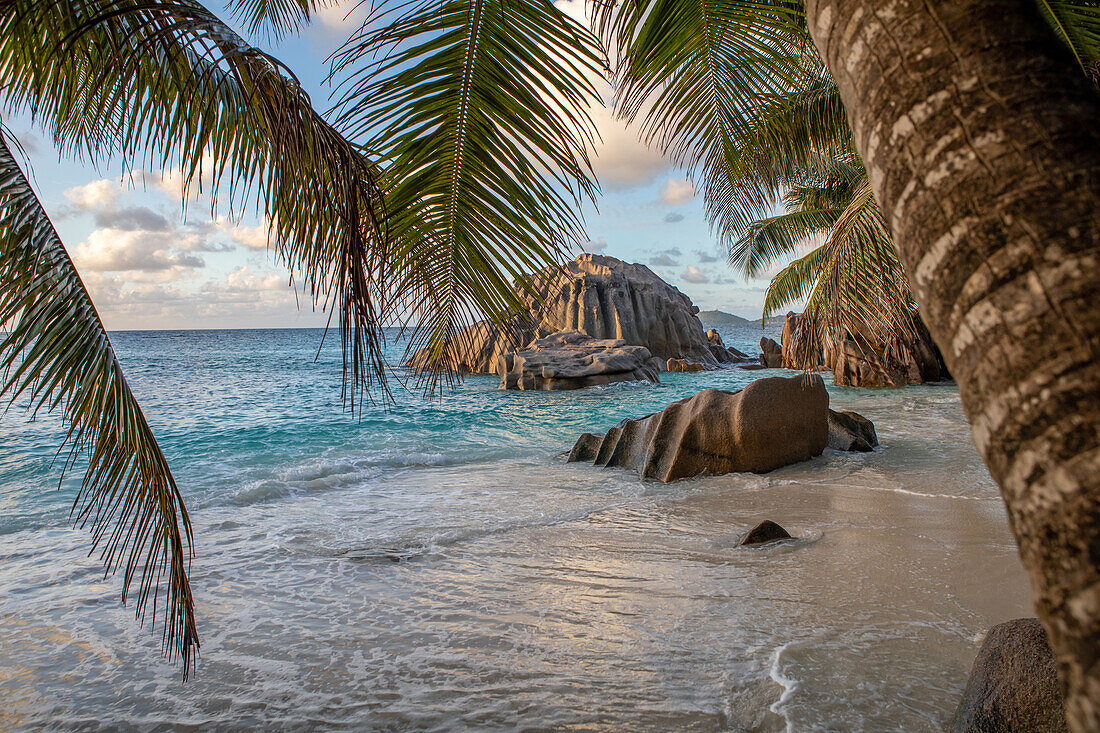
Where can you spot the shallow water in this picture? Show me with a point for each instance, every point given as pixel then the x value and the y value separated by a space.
pixel 439 567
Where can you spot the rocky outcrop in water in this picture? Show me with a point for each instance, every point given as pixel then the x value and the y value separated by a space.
pixel 858 360
pixel 850 431
pixel 602 297
pixel 765 532
pixel 770 423
pixel 683 365
pixel 771 354
pixel 476 349
pixel 572 360
pixel 605 297
pixel 1013 685
pixel 810 359
pixel 722 353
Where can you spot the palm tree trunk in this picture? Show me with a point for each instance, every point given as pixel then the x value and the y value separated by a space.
pixel 982 142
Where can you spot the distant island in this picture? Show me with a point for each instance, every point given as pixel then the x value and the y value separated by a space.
pixel 721 318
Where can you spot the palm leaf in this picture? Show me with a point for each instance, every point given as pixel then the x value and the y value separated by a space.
pixel 166 83
pixel 769 240
pixel 56 354
pixel 1077 25
pixel 479 110
pixel 695 74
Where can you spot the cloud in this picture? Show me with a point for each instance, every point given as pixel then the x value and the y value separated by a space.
pixel 667 258
pixel 599 244
pixel 677 191
pixel 132 218
pixel 245 280
pixel 173 183
pixel 118 250
pixel 673 217
pixel 620 160
pixel 705 257
pixel 695 275
pixel 249 237
pixel 101 194
pixel 341 16
pixel 257 297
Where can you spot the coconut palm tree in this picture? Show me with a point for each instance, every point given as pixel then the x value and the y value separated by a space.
pixel 982 145
pixel 801 154
pixel 468 116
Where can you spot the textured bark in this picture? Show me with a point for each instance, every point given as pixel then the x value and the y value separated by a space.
pixel 982 142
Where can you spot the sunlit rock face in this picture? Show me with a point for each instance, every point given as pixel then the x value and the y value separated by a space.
pixel 607 298
pixel 603 298
pixel 859 360
pixel 683 365
pixel 770 423
pixel 572 360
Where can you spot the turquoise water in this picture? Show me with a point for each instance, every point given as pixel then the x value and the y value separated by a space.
pixel 437 566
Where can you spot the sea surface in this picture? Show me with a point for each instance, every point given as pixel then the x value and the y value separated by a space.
pixel 437 566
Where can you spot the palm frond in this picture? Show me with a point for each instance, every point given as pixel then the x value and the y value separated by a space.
pixel 1077 25
pixel 795 282
pixel 56 354
pixel 280 17
pixel 861 288
pixel 769 240
pixel 167 83
pixel 695 73
pixel 816 195
pixel 478 109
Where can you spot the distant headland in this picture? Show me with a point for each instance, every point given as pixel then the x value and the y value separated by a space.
pixel 721 318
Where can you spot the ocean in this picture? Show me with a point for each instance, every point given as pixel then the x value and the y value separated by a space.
pixel 437 566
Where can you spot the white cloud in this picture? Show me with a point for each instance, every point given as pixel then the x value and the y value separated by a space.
pixel 341 16
pixel 695 275
pixel 673 217
pixel 244 279
pixel 677 191
pixel 620 160
pixel 118 250
pixel 705 257
pixel 599 244
pixel 101 194
pixel 173 182
pixel 249 237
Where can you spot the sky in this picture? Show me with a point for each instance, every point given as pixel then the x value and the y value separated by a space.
pixel 154 261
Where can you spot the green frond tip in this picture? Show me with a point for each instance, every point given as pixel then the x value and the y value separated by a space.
pixel 479 110
pixel 56 354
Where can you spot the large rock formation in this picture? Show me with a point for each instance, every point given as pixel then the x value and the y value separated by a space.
pixel 571 360
pixel 600 296
pixel 1013 685
pixel 770 423
pixel 476 349
pixel 858 359
pixel 605 297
